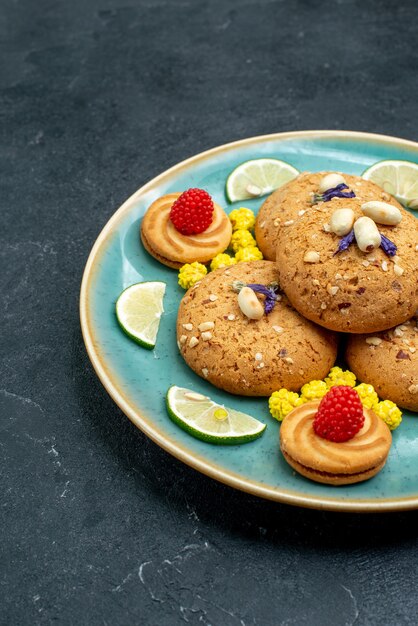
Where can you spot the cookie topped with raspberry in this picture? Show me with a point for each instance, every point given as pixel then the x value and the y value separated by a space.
pixel 181 228
pixel 333 443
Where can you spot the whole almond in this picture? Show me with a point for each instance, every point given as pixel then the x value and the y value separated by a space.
pixel 249 304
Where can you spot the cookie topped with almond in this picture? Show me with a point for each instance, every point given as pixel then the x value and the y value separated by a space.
pixel 236 329
pixel 289 203
pixel 348 264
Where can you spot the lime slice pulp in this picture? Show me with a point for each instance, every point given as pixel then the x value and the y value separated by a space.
pixel 257 178
pixel 138 311
pixel 205 419
pixel 399 178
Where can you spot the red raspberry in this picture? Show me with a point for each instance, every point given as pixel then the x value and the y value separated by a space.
pixel 192 212
pixel 340 414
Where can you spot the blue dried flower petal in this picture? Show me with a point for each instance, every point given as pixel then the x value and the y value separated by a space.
pixel 261 289
pixel 334 192
pixel 269 305
pixel 345 242
pixel 268 292
pixel 388 246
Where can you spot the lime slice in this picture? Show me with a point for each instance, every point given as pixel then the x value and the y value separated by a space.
pixel 399 178
pixel 258 177
pixel 138 311
pixel 207 420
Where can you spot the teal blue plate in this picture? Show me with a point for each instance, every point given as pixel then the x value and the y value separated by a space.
pixel 138 379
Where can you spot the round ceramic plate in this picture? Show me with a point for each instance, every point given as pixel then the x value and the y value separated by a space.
pixel 138 379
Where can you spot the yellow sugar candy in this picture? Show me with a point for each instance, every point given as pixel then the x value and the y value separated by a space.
pixel 251 253
pixel 190 274
pixel 242 219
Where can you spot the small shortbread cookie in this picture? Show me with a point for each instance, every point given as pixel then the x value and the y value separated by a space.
pixel 250 357
pixel 291 201
pixel 389 362
pixel 332 463
pixel 166 244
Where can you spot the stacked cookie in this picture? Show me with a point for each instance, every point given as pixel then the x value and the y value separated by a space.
pixel 348 261
pixel 173 248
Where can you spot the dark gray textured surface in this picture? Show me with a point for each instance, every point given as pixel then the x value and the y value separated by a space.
pixel 96 97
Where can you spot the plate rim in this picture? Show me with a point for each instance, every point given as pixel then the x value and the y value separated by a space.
pixel 114 388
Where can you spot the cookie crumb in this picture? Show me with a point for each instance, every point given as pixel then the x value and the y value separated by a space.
pixel 288 222
pixel 385 266
pixel 332 290
pixel 258 356
pixel 206 326
pixel 311 256
pixel 231 317
pixel 213 297
pixel 253 190
pixel 205 372
pixel 374 341
pixel 278 329
pixel 193 395
pixel 323 306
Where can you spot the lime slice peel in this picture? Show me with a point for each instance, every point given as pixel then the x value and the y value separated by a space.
pixel 138 311
pixel 398 178
pixel 258 177
pixel 209 421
